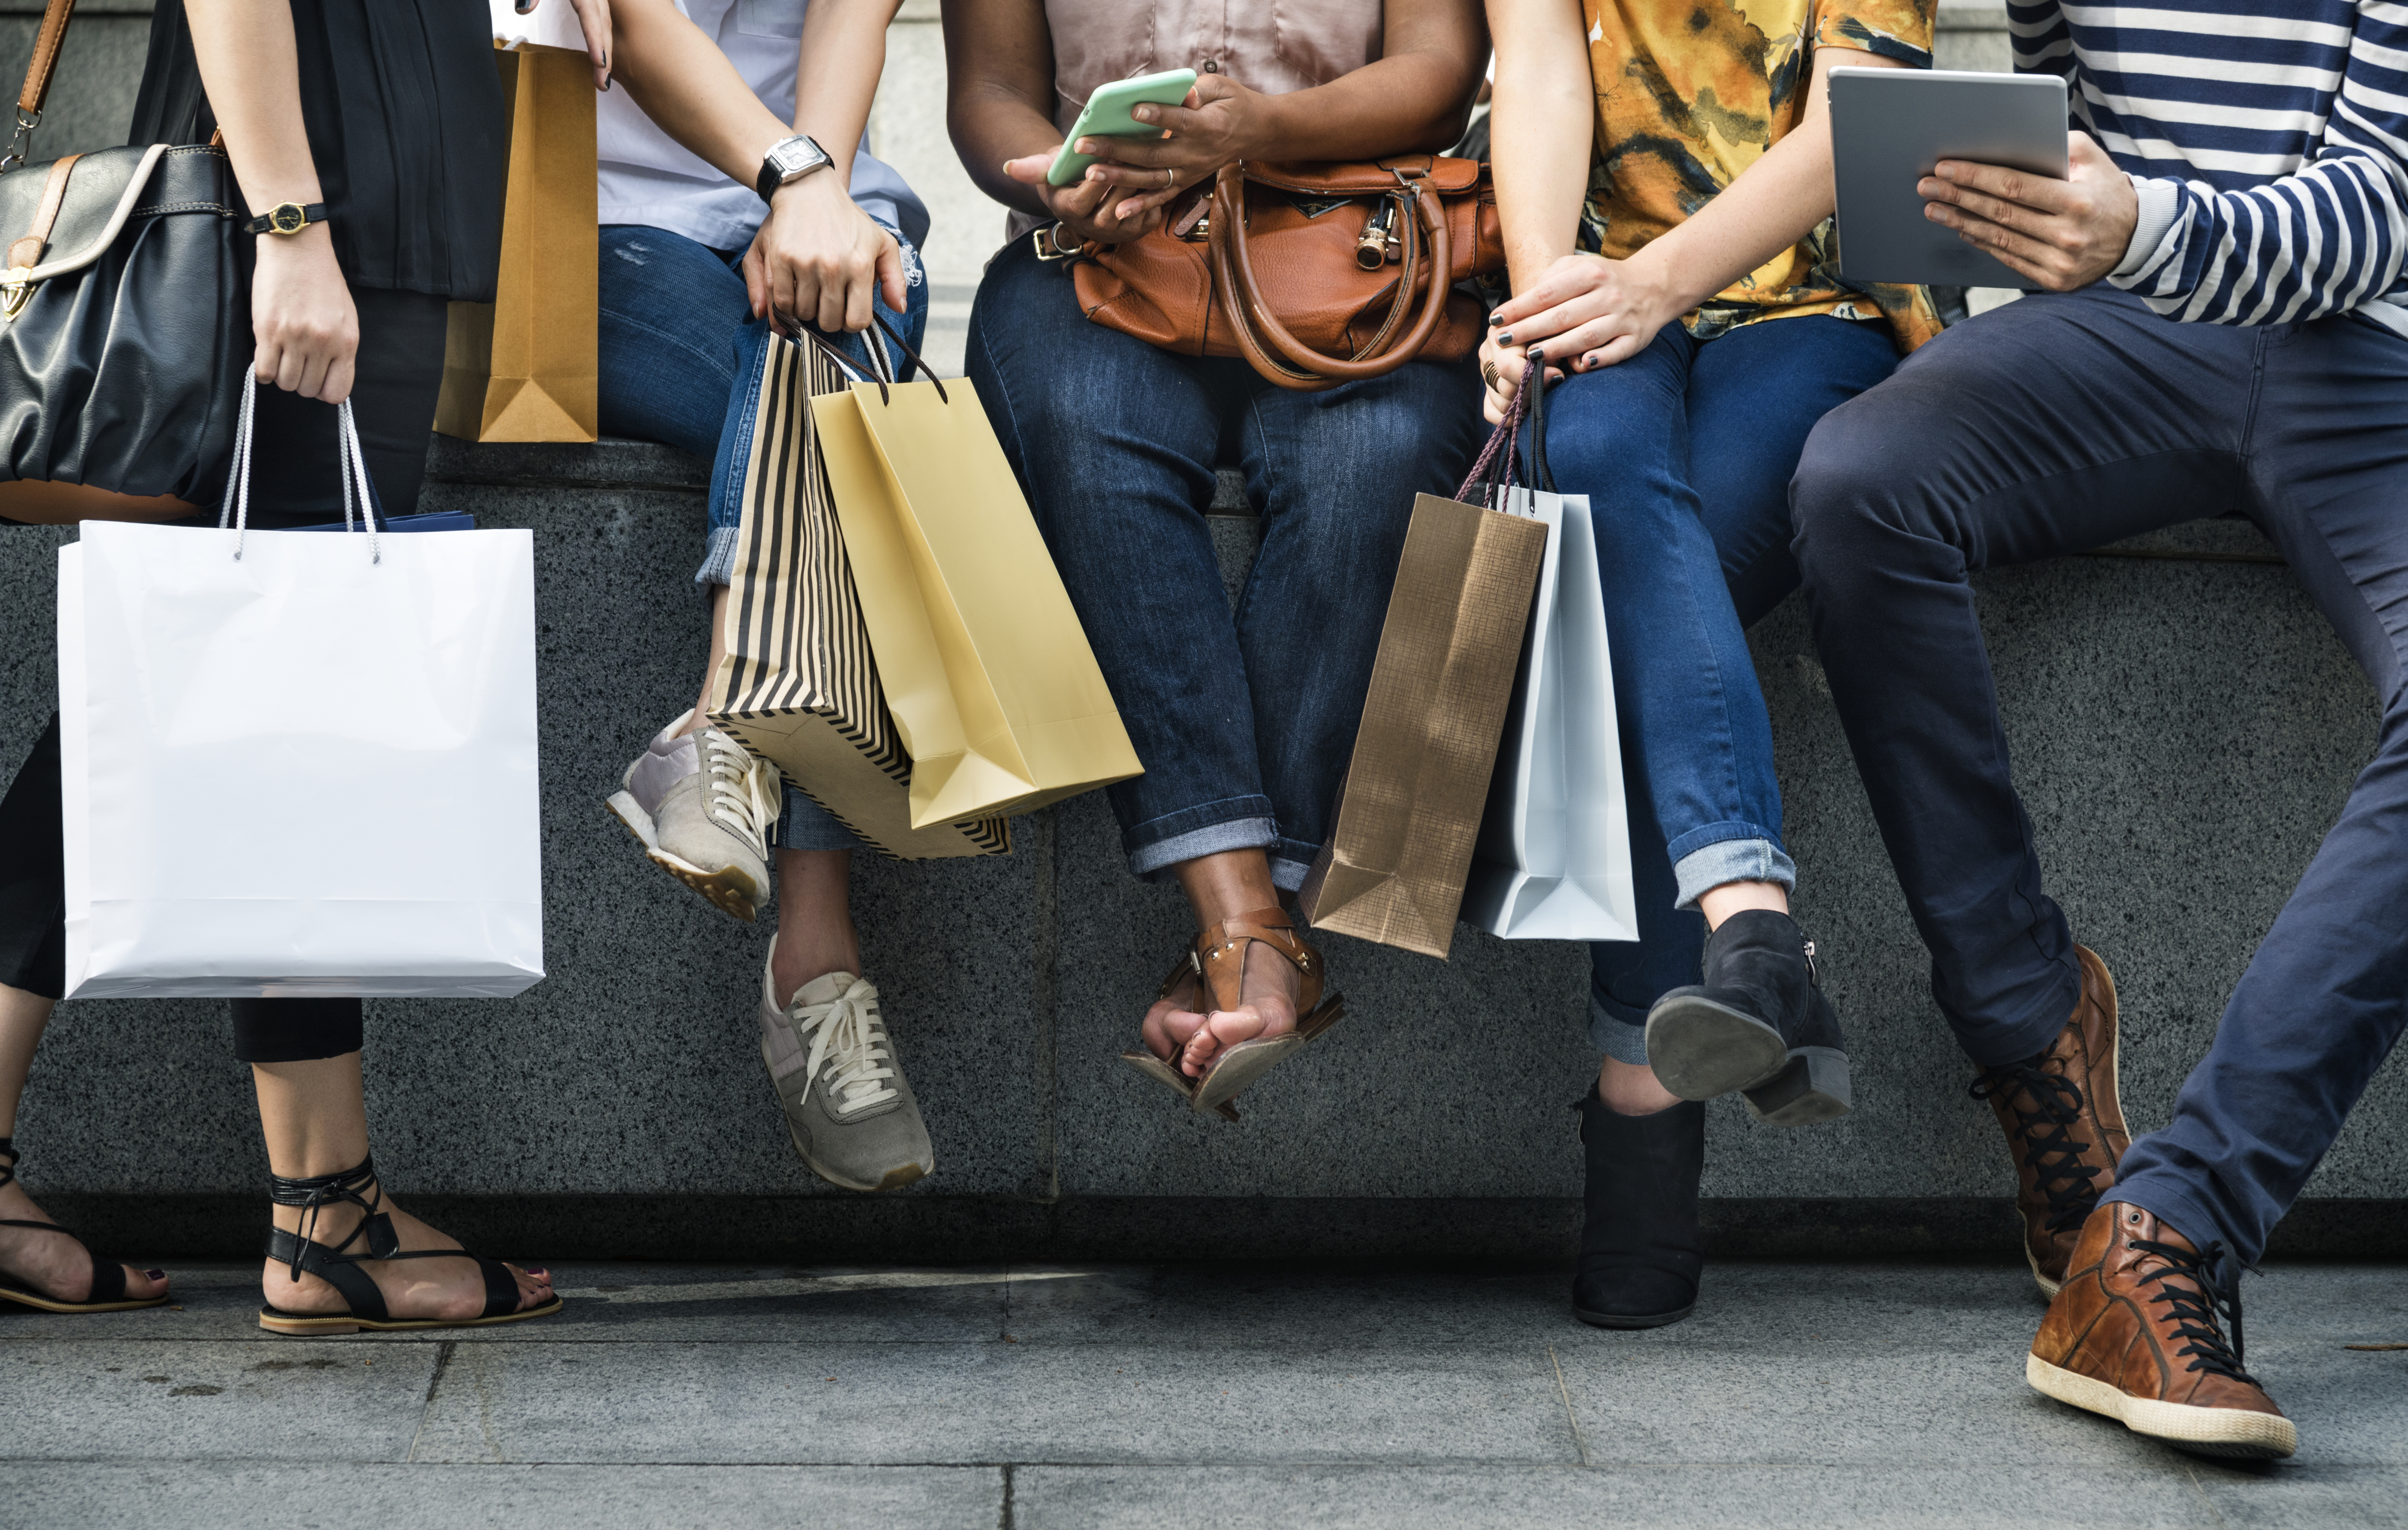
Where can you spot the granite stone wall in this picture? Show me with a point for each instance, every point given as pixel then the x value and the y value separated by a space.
pixel 2184 727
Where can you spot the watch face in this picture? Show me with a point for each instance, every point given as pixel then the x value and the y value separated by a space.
pixel 288 218
pixel 794 156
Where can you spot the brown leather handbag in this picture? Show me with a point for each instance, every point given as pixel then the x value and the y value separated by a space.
pixel 1316 274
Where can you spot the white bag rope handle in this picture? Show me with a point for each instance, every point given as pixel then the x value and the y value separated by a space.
pixel 352 463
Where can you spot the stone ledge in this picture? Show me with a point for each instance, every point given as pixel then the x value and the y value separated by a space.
pixel 944 1230
pixel 612 463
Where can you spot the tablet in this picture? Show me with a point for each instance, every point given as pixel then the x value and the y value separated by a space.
pixel 1890 126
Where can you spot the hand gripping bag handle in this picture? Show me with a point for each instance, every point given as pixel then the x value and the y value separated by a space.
pixel 353 465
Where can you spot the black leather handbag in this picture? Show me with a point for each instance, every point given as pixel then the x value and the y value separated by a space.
pixel 124 309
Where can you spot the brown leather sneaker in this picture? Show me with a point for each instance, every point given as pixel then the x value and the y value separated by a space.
pixel 2133 1334
pixel 2064 1124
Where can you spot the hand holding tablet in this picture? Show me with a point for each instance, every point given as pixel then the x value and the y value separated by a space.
pixel 2026 204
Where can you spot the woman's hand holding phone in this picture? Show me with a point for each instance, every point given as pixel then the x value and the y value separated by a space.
pixel 1123 193
pixel 1080 206
pixel 1218 124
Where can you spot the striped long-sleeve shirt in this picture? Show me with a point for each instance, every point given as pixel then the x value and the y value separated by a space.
pixel 2268 140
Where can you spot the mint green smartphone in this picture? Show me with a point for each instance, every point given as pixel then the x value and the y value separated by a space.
pixel 1107 112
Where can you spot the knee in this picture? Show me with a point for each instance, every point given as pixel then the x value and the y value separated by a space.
pixel 1855 485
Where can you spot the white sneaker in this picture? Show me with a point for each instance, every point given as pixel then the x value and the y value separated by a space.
pixel 702 805
pixel 847 1107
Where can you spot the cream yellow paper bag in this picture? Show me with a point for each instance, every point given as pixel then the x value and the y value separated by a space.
pixel 988 674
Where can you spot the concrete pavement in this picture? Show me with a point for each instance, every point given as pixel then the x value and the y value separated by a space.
pixel 1030 1397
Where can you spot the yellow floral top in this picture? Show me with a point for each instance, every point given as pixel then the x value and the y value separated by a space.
pixel 1689 92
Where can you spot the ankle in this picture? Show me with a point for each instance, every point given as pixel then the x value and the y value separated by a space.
pixel 811 954
pixel 1720 903
pixel 1630 1089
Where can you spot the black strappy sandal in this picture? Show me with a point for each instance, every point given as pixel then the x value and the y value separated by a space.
pixel 107 1276
pixel 341 1270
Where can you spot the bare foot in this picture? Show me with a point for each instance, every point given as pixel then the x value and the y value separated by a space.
pixel 430 1290
pixel 1269 987
pixel 55 1264
pixel 1173 1018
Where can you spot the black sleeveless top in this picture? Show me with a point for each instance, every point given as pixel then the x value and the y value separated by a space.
pixel 405 121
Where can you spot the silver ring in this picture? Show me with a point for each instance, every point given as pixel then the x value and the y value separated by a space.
pixel 1169 178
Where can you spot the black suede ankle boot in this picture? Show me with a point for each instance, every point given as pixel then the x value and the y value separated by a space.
pixel 1758 1023
pixel 1640 1250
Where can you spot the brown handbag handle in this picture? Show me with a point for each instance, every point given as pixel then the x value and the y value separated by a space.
pixel 1241 295
pixel 39 70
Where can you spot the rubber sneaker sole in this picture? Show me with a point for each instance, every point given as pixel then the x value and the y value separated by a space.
pixel 2203 1431
pixel 730 890
pixel 895 1178
pixel 1701 1049
pixel 1811 1087
pixel 2047 1288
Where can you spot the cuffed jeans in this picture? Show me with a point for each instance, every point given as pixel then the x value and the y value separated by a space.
pixel 2055 424
pixel 1244 723
pixel 1685 451
pixel 681 362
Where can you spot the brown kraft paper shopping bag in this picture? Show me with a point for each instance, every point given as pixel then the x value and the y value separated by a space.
pixel 523 366
pixel 1408 813
pixel 798 685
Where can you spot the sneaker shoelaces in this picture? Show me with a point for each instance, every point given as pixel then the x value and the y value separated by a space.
pixel 848 1035
pixel 745 794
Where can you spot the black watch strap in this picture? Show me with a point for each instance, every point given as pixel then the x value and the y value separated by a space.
pixel 287 217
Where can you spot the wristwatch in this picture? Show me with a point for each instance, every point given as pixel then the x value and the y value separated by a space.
pixel 287 217
pixel 790 159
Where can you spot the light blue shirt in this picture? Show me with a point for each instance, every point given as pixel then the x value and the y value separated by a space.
pixel 647 178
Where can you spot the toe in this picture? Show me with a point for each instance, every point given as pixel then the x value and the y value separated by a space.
pixel 142 1285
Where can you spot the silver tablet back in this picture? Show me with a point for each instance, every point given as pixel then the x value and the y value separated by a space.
pixel 1890 126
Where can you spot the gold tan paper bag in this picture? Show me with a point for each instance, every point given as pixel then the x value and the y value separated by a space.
pixel 798 685
pixel 1409 815
pixel 523 366
pixel 988 673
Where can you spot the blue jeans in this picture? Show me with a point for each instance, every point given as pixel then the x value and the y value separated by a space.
pixel 681 361
pixel 2057 423
pixel 1685 451
pixel 1244 722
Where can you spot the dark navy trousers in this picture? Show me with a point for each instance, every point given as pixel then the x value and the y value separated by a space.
pixel 2049 426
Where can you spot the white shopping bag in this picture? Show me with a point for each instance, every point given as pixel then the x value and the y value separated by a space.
pixel 299 764
pixel 1553 861
pixel 538 23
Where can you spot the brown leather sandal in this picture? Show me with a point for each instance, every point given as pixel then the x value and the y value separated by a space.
pixel 1217 960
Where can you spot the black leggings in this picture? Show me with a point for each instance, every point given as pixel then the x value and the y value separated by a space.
pixel 400 370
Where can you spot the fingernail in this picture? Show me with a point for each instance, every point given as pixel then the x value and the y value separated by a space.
pixel 1493 319
pixel 1505 337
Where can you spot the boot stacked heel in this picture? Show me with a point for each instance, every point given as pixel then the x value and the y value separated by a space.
pixel 1758 1026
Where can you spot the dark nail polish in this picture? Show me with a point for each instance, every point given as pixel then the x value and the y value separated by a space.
pixel 537 1270
pixel 1494 321
pixel 154 1274
pixel 1504 337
